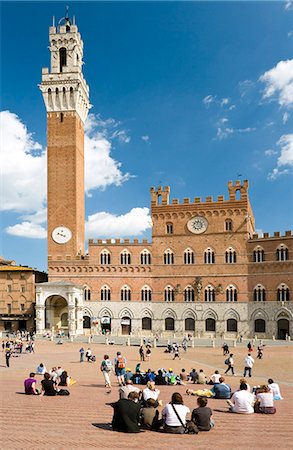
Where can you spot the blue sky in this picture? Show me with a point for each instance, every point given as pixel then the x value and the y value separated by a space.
pixel 186 94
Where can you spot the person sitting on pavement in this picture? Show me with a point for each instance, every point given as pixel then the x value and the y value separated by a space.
pixel 193 376
pixel 242 401
pixel 264 401
pixel 201 379
pixel 126 414
pixel 202 415
pixel 160 379
pixel 243 381
pixel 128 374
pixel 150 375
pixel 275 389
pixel 183 377
pixel 150 415
pixel 41 369
pixel 151 392
pixel 66 380
pixel 215 377
pixel 200 392
pixel 221 390
pixel 124 391
pixel 172 423
pixel 30 385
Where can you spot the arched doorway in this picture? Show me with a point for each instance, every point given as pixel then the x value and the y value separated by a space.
pixel 106 324
pixel 283 328
pixel 125 326
pixel 189 324
pixel 232 326
pixel 56 313
pixel 169 324
pixel 86 322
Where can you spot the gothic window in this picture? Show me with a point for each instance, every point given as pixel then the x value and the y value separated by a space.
pixel 210 325
pixel 282 253
pixel 230 256
pixel 168 257
pixel 259 326
pixel 146 294
pixel 259 293
pixel 125 257
pixel 145 257
pixel 146 323
pixel 22 307
pixel 209 256
pixel 209 294
pixel 169 294
pixel 64 320
pixel 105 293
pixel 125 294
pixel 189 324
pixel 228 225
pixel 169 228
pixel 62 58
pixel 9 308
pixel 86 322
pixel 169 324
pixel 258 255
pixel 87 294
pixel 232 325
pixel 105 257
pixel 189 294
pixel 231 293
pixel 283 293
pixel 188 256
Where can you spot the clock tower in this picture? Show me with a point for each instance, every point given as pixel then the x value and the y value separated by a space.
pixel 66 96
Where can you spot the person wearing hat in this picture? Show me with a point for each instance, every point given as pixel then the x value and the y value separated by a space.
pixel 128 374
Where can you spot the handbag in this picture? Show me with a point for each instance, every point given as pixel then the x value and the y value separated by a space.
pixel 190 427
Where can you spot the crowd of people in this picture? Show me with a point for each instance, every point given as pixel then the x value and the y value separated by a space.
pixel 51 382
pixel 17 344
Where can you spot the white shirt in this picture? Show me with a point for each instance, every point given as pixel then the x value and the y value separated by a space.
pixel 249 361
pixel 243 401
pixel 170 417
pixel 216 377
pixel 148 393
pixel 274 388
pixel 265 399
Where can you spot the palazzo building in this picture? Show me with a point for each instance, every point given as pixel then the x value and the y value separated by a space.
pixel 205 272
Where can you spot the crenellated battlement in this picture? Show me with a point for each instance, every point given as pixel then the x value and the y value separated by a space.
pixel 116 242
pixel 275 235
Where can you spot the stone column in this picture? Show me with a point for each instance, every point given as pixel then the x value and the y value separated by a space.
pixel 79 320
pixel 71 320
pixel 40 319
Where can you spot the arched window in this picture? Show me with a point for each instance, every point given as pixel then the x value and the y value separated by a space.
pixel 258 255
pixel 125 294
pixel 230 256
pixel 259 293
pixel 283 293
pixel 62 58
pixel 231 293
pixel 210 324
pixel 169 228
pixel 228 225
pixel 189 324
pixel 86 322
pixel 169 294
pixel 259 326
pixel 209 256
pixel 232 325
pixel 145 257
pixel 188 256
pixel 189 294
pixel 64 320
pixel 146 323
pixel 168 257
pixel 105 257
pixel 105 293
pixel 169 324
pixel 146 294
pixel 282 253
pixel 87 294
pixel 209 294
pixel 125 257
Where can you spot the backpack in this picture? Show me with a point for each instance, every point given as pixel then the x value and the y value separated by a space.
pixel 121 362
pixel 227 361
pixel 107 365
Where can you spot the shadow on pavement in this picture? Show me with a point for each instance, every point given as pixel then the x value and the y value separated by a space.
pixel 103 426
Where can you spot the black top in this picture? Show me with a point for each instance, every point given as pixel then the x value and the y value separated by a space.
pixel 126 416
pixel 201 417
pixel 48 387
pixel 160 380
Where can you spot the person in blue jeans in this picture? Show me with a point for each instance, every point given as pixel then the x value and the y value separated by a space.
pixel 81 354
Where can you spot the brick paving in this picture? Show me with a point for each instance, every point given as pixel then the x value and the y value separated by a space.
pixel 81 420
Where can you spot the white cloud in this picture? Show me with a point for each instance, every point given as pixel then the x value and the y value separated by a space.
pixel 121 136
pixel 285 117
pixel 224 132
pixel 279 83
pixel 224 101
pixel 290 33
pixel 245 87
pixel 208 100
pixel 270 152
pixel 285 159
pixel 288 6
pixel 145 138
pixel 133 223
pixel 28 230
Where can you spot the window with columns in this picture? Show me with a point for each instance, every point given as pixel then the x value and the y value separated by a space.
pixel 282 253
pixel 189 294
pixel 125 294
pixel 259 293
pixel 169 294
pixel 258 255
pixel 283 293
pixel 168 257
pixel 125 257
pixel 230 256
pixel 169 228
pixel 145 257
pixel 146 294
pixel 105 257
pixel 209 256
pixel 231 293
pixel 188 256
pixel 105 293
pixel 228 225
pixel 87 294
pixel 209 294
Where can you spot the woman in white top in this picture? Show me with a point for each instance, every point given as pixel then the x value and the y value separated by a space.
pixel 215 378
pixel 150 391
pixel 264 401
pixel 275 389
pixel 172 424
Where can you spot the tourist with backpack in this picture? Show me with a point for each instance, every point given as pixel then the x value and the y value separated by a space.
pixel 120 365
pixel 106 369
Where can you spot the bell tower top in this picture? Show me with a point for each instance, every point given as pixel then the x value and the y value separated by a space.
pixel 63 85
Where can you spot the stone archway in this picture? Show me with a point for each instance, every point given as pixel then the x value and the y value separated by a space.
pixel 56 314
pixel 283 328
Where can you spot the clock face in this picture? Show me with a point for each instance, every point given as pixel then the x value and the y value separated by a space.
pixel 197 224
pixel 61 235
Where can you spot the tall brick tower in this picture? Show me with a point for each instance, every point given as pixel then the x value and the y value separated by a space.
pixel 66 96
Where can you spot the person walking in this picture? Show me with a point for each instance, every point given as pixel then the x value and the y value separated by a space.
pixel 106 369
pixel 8 356
pixel 120 365
pixel 248 364
pixel 230 362
pixel 141 353
pixel 81 354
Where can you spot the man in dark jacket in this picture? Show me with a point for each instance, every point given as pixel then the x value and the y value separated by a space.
pixel 126 414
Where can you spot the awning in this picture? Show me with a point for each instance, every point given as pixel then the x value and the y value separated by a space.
pixel 105 320
pixel 125 321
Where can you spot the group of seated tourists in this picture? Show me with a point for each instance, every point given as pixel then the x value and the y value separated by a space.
pixel 51 381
